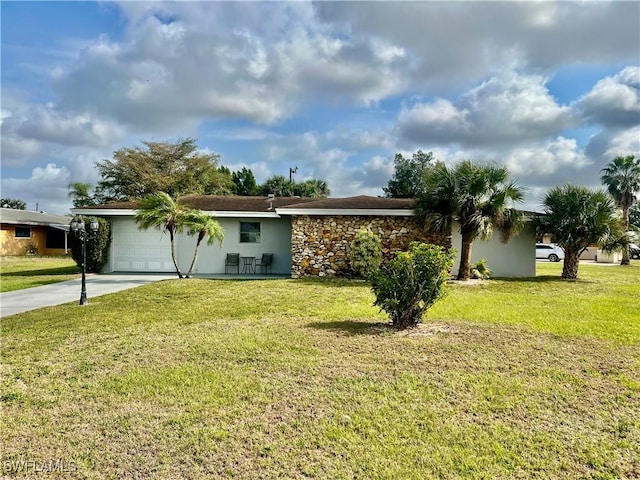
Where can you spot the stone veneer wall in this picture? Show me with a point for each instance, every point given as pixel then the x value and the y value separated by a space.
pixel 320 244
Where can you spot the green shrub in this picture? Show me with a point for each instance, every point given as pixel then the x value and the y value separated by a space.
pixel 97 246
pixel 412 282
pixel 481 269
pixel 365 253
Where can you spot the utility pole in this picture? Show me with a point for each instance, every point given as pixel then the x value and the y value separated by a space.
pixel 292 171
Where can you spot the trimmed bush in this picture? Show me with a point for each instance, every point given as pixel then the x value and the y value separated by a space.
pixel 365 253
pixel 97 246
pixel 412 282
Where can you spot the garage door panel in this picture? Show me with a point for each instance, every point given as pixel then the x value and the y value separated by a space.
pixel 140 250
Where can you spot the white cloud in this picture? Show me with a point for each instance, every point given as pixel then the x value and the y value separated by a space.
pixel 502 110
pixel 46 187
pixel 624 143
pixel 614 101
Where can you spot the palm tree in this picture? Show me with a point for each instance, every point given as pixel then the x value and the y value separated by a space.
pixel 477 197
pixel 201 224
pixel 79 193
pixel 621 176
pixel 159 210
pixel 578 217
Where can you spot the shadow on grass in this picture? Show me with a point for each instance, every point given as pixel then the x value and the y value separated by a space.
pixel 353 327
pixel 43 272
pixel 542 279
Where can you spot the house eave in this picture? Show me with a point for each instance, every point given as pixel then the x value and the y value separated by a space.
pixel 345 212
pixel 117 212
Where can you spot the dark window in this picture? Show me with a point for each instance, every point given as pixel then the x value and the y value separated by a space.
pixel 55 239
pixel 249 232
pixel 23 232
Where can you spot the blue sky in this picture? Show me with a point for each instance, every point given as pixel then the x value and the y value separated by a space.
pixel 335 88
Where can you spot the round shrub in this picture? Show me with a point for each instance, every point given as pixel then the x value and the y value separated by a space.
pixel 412 282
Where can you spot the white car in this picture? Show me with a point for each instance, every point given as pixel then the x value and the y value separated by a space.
pixel 549 251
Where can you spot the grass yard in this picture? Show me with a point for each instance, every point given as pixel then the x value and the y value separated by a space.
pixel 17 273
pixel 279 379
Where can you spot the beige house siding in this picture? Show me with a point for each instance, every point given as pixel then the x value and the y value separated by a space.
pixel 10 245
pixel 320 244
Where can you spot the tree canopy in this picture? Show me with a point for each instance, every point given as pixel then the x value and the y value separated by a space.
pixel 577 217
pixel 408 180
pixel 174 168
pixel 14 203
pixel 621 177
pixel 281 186
pixel 477 196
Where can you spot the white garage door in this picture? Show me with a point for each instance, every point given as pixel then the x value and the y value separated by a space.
pixel 139 251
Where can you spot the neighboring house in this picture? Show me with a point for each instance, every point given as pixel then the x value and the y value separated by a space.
pixel 308 237
pixel 24 232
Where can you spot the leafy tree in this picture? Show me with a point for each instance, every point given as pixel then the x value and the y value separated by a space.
pixel 313 188
pixel 281 186
pixel 200 224
pixel 408 175
pixel 277 185
pixel 365 253
pixel 174 168
pixel 97 245
pixel 412 282
pixel 13 203
pixel 80 193
pixel 244 182
pixel 477 196
pixel 578 217
pixel 621 176
pixel 159 210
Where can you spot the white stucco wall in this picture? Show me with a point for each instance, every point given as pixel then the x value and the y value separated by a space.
pixel 516 258
pixel 134 250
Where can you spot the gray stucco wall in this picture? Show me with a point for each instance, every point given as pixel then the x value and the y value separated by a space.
pixel 134 250
pixel 275 237
pixel 517 258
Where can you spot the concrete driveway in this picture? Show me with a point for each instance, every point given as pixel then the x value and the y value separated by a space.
pixel 20 301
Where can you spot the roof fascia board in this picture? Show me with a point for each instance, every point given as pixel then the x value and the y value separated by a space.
pixel 121 212
pixel 380 212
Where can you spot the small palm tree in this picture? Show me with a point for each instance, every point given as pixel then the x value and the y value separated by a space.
pixel 578 217
pixel 477 196
pixel 200 224
pixel 621 176
pixel 159 210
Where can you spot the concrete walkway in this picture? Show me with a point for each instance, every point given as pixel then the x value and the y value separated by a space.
pixel 58 293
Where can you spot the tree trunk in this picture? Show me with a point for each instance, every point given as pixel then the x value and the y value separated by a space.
pixel 464 272
pixel 625 224
pixel 173 254
pixel 570 266
pixel 195 258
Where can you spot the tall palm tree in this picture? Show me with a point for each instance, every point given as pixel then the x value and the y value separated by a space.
pixel 200 224
pixel 477 196
pixel 159 210
pixel 578 217
pixel 621 176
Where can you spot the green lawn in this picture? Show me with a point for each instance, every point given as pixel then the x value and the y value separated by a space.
pixel 17 273
pixel 303 379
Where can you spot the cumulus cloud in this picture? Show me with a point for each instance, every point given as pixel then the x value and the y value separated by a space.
pixel 461 41
pixel 614 101
pixel 46 187
pixel 502 110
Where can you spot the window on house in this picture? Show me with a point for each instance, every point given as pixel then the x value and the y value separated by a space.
pixel 23 232
pixel 249 232
pixel 55 239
